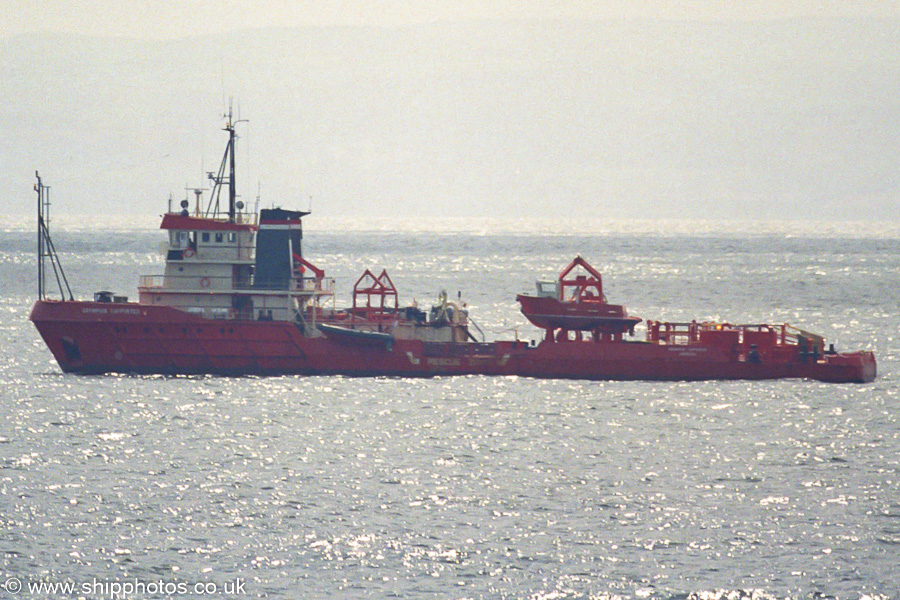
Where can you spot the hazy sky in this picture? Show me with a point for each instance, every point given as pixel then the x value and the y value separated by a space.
pixel 710 109
pixel 162 19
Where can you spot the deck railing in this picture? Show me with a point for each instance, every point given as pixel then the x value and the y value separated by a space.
pixel 217 284
pixel 686 333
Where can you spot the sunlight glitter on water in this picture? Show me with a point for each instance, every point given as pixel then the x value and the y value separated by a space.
pixel 475 487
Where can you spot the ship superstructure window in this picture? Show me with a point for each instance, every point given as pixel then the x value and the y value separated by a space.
pixel 218 238
pixel 179 239
pixel 232 237
pixel 205 237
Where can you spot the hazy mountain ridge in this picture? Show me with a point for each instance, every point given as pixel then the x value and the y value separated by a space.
pixel 789 119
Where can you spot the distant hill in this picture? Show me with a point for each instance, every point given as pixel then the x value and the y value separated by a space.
pixel 782 119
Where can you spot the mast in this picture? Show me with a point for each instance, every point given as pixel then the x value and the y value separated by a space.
pixel 231 180
pixel 45 247
pixel 228 162
pixel 40 189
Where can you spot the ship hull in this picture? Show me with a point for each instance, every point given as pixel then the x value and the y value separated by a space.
pixel 97 337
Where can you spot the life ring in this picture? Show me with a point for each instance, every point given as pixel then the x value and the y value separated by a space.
pixel 188 253
pixel 204 283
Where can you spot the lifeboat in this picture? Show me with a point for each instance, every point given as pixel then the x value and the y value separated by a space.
pixel 575 302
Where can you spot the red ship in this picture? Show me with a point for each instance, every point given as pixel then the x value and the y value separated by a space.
pixel 237 297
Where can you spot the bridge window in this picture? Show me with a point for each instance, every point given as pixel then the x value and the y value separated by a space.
pixel 179 239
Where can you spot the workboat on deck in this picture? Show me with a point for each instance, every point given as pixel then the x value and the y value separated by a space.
pixel 576 303
pixel 238 297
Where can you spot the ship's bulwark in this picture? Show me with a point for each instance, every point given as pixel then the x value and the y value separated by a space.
pixel 92 337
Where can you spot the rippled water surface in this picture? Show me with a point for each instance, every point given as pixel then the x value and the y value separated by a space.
pixel 472 487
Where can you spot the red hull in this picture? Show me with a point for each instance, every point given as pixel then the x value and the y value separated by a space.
pixel 91 337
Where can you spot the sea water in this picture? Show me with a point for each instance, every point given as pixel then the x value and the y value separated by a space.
pixel 468 487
